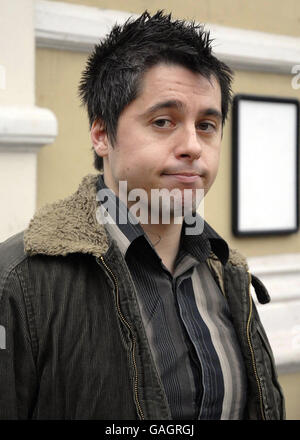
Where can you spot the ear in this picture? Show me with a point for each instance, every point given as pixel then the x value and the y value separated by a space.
pixel 99 138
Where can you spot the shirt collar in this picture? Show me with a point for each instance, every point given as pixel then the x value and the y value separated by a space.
pixel 201 245
pixel 125 232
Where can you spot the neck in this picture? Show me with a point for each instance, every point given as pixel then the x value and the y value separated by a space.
pixel 165 239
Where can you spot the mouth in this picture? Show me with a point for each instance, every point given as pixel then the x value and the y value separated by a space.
pixel 182 176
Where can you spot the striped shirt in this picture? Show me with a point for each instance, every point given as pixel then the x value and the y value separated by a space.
pixel 186 318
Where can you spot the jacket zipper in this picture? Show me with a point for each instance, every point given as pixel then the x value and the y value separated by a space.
pixel 252 351
pixel 125 322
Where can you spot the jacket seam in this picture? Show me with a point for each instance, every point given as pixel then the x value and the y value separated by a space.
pixel 8 270
pixel 29 312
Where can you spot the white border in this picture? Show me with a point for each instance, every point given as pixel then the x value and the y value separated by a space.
pixel 72 27
pixel 280 273
pixel 27 127
pixel 78 28
pixel 281 317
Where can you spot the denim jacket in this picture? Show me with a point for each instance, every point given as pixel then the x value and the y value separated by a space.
pixel 74 343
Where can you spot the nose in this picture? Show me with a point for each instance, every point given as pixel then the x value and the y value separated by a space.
pixel 190 145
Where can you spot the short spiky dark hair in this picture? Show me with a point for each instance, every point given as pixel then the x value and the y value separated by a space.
pixel 114 70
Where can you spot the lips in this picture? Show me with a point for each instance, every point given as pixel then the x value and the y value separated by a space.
pixel 183 173
pixel 183 176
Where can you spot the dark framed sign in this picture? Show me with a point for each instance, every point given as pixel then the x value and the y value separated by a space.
pixel 265 165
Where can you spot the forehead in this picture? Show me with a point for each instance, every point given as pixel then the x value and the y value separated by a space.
pixel 165 81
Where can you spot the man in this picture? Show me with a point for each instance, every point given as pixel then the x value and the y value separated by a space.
pixel 138 319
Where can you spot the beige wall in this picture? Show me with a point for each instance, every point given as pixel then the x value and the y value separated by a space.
pixel 290 384
pixel 62 164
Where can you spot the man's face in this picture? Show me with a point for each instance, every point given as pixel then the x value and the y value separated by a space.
pixel 170 135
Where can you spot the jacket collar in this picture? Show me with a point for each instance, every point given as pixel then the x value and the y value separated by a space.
pixel 70 226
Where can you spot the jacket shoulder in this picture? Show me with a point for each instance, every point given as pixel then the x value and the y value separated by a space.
pixel 237 259
pixel 12 253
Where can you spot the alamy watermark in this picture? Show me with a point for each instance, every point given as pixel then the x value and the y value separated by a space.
pixel 161 206
pixel 296 79
pixel 2 338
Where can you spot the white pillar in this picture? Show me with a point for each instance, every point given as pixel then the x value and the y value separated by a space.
pixel 24 128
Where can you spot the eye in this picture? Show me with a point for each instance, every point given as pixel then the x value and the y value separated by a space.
pixel 163 123
pixel 206 126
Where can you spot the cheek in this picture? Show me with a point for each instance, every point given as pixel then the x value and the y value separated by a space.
pixel 213 164
pixel 128 167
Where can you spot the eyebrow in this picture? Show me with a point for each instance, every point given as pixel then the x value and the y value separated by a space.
pixel 178 105
pixel 171 103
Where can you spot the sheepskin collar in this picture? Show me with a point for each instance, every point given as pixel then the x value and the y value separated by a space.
pixel 70 226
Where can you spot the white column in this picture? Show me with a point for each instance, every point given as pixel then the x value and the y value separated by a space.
pixel 24 128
